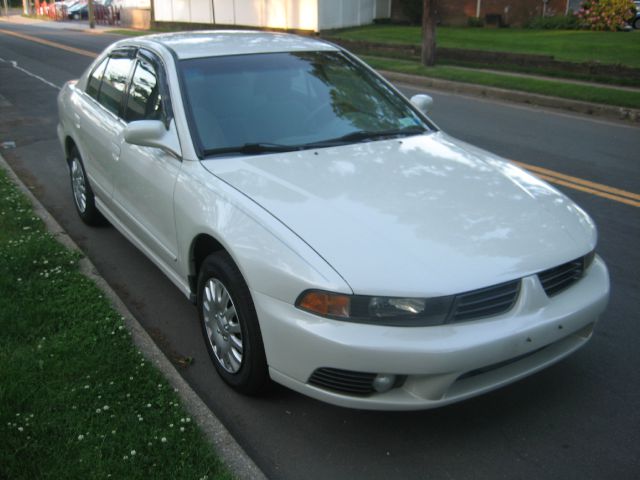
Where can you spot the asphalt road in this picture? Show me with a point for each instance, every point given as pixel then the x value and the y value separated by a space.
pixel 578 419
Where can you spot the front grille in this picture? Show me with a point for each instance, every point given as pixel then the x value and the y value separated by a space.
pixel 559 278
pixel 343 381
pixel 492 300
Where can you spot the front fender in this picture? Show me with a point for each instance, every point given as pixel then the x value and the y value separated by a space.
pixel 273 260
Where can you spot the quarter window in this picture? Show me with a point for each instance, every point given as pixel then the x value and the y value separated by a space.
pixel 93 86
pixel 144 99
pixel 114 83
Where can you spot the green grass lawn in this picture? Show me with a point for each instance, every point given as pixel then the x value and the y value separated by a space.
pixel 607 96
pixel 77 400
pixel 566 45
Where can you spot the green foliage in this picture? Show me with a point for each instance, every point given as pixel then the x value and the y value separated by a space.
pixel 572 91
pixel 564 45
pixel 557 22
pixel 78 399
pixel 475 22
pixel 605 14
pixel 412 10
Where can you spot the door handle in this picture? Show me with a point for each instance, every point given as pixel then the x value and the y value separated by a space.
pixel 76 117
pixel 115 151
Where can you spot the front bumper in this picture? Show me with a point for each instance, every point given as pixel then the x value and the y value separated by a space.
pixel 443 364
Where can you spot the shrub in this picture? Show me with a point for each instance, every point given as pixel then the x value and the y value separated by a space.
pixel 605 14
pixel 557 22
pixel 412 10
pixel 475 22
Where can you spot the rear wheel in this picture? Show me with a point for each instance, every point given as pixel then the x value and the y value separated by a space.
pixel 83 197
pixel 230 325
pixel 636 23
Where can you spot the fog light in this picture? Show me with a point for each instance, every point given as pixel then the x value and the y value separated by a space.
pixel 383 382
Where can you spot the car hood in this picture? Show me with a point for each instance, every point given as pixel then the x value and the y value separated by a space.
pixel 424 215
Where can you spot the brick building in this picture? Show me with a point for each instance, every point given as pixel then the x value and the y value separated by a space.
pixel 508 12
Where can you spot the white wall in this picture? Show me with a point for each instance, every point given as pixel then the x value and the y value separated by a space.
pixel 350 13
pixel 288 14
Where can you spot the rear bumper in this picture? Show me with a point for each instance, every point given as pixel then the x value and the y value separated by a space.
pixel 442 364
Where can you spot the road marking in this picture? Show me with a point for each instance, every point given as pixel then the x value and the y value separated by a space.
pixel 586 183
pixel 15 65
pixel 598 189
pixel 604 191
pixel 615 198
pixel 49 43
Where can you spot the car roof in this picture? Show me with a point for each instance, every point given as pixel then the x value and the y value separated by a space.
pixel 234 42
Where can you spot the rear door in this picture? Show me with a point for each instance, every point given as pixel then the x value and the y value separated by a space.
pixel 99 120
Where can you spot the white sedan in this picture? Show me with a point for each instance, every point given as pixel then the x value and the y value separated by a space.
pixel 333 238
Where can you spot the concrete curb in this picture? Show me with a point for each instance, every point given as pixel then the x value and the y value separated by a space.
pixel 229 451
pixel 594 109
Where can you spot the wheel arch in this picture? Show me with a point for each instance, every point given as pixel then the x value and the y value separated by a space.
pixel 69 144
pixel 202 246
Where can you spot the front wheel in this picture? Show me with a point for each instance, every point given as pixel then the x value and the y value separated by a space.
pixel 230 325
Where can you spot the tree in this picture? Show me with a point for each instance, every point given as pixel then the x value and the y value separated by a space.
pixel 428 32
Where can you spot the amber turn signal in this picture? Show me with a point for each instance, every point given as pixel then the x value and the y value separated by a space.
pixel 324 303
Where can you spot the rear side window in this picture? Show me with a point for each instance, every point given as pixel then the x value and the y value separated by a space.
pixel 114 83
pixel 93 86
pixel 144 99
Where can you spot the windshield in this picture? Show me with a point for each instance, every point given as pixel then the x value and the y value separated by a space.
pixel 261 103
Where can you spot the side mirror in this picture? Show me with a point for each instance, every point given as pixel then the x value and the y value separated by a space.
pixel 422 102
pixel 152 133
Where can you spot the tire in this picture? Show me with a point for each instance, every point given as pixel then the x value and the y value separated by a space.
pixel 636 23
pixel 230 326
pixel 83 197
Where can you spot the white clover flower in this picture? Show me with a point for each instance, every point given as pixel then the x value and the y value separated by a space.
pixel 80 437
pixel 106 407
pixel 182 429
pixel 133 452
pixel 20 429
pixel 163 439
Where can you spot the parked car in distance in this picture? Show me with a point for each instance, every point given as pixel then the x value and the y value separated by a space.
pixel 635 21
pixel 333 238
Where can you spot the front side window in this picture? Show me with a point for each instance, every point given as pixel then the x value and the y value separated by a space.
pixel 114 83
pixel 290 100
pixel 144 100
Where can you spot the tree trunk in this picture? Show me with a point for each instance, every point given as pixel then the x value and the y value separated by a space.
pixel 429 33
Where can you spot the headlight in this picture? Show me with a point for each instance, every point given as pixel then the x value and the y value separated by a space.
pixel 397 311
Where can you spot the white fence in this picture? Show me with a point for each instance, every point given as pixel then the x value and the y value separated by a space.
pixel 312 15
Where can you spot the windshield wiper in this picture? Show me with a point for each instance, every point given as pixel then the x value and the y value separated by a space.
pixel 252 149
pixel 366 136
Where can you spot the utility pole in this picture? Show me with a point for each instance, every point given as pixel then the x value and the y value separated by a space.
pixel 6 8
pixel 429 32
pixel 92 17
